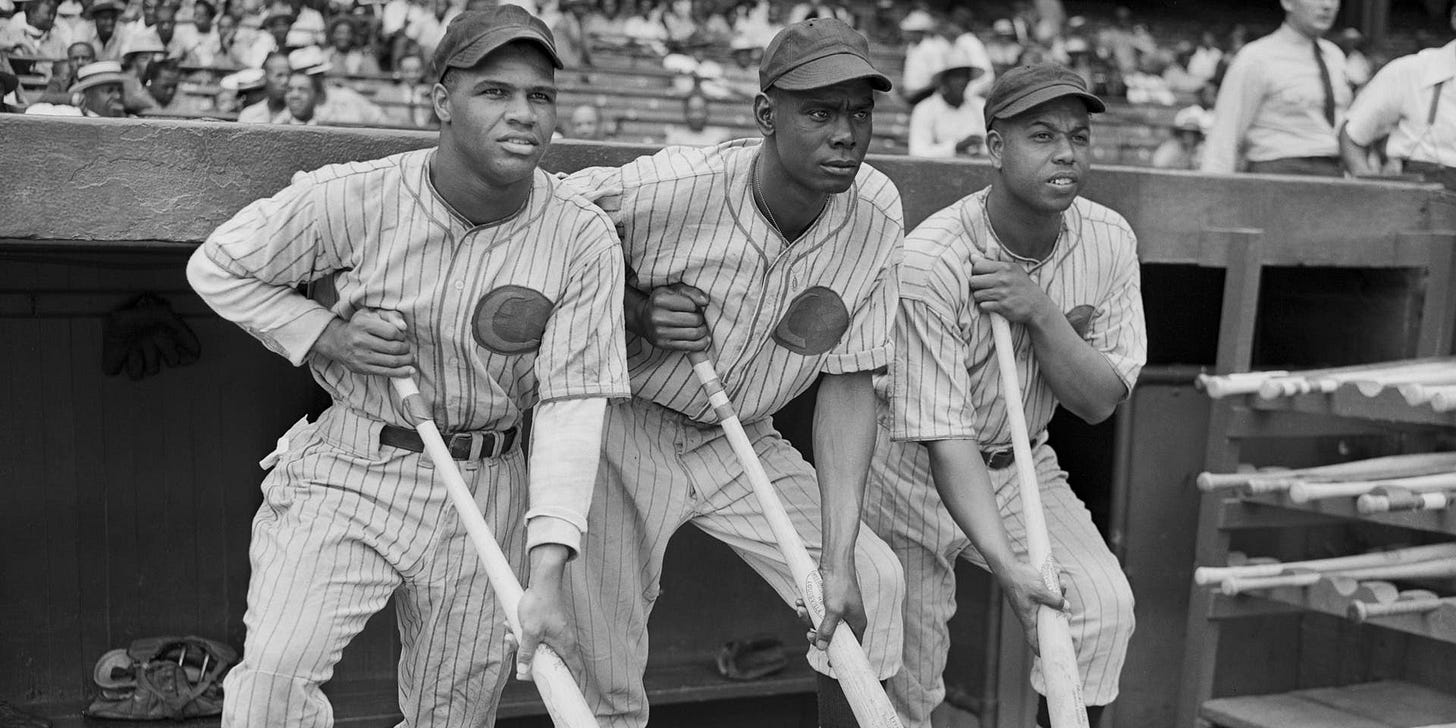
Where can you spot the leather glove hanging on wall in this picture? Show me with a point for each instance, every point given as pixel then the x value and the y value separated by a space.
pixel 143 335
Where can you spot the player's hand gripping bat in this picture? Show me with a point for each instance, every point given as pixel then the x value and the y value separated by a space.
pixel 1054 633
pixel 862 688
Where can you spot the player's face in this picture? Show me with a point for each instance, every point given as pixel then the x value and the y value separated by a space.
pixel 1044 154
pixel 1311 17
pixel 822 135
pixel 500 114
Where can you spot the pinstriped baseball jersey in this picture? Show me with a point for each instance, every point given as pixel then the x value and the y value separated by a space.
pixel 499 315
pixel 944 383
pixel 779 314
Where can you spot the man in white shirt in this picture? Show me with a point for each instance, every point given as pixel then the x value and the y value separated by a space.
pixel 925 51
pixel 1413 101
pixel 1282 99
pixel 950 123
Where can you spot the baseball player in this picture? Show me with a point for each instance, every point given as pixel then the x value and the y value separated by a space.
pixel 483 277
pixel 1064 271
pixel 778 259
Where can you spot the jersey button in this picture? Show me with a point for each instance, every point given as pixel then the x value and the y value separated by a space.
pixel 459 285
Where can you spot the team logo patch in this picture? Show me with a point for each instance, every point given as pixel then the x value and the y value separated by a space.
pixel 511 319
pixel 1081 319
pixel 815 321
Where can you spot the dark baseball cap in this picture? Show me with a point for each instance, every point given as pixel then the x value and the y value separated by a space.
pixel 816 53
pixel 474 34
pixel 1024 87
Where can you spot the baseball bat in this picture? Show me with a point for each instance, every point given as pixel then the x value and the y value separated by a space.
pixel 563 699
pixel 1328 380
pixel 1414 601
pixel 1435 568
pixel 867 699
pixel 1390 466
pixel 1206 575
pixel 1219 386
pixel 1304 491
pixel 1371 387
pixel 1054 634
pixel 1443 399
pixel 1389 500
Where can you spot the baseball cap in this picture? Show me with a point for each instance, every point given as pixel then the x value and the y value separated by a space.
pixel 1023 87
pixel 816 53
pixel 309 60
pixel 918 21
pixel 247 79
pixel 474 34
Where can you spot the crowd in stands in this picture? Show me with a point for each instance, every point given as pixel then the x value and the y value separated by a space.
pixel 365 62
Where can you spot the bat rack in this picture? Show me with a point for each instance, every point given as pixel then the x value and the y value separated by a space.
pixel 1237 420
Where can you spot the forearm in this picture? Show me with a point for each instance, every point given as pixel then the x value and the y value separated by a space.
pixel 1356 156
pixel 844 439
pixel 565 452
pixel 1082 379
pixel 287 322
pixel 965 488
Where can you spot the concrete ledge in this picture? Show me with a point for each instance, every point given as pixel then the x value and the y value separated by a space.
pixel 136 182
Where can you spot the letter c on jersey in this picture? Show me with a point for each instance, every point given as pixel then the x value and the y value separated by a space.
pixel 511 319
pixel 815 320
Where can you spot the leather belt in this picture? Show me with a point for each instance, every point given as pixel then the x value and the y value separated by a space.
pixel 463 445
pixel 999 459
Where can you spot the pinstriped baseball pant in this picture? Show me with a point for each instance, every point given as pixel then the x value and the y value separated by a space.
pixel 659 472
pixel 903 507
pixel 346 523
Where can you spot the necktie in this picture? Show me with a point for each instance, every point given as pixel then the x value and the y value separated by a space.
pixel 1319 58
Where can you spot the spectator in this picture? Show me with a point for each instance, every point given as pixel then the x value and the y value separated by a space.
pixel 1003 48
pixel 752 22
pixel 336 103
pixel 1412 101
pixel 950 123
pixel 741 77
pixel 925 53
pixel 276 71
pixel 232 43
pixel 820 9
pixel 969 46
pixel 1282 99
pixel 301 100
pixel 165 25
pixel 203 42
pixel 1207 58
pixel 145 20
pixel 97 92
pixel 163 85
pixel 80 54
pixel 1181 150
pixel 407 102
pixel 308 22
pixel 274 38
pixel 1179 77
pixel 241 90
pixel 1050 16
pixel 677 19
pixel 10 100
pixel 573 45
pixel 1357 65
pixel 39 34
pixel 104 32
pixel 142 49
pixel 58 86
pixel 604 22
pixel 1147 85
pixel 1119 42
pixel 345 54
pixel 695 131
pixel 586 124
pixel 644 30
